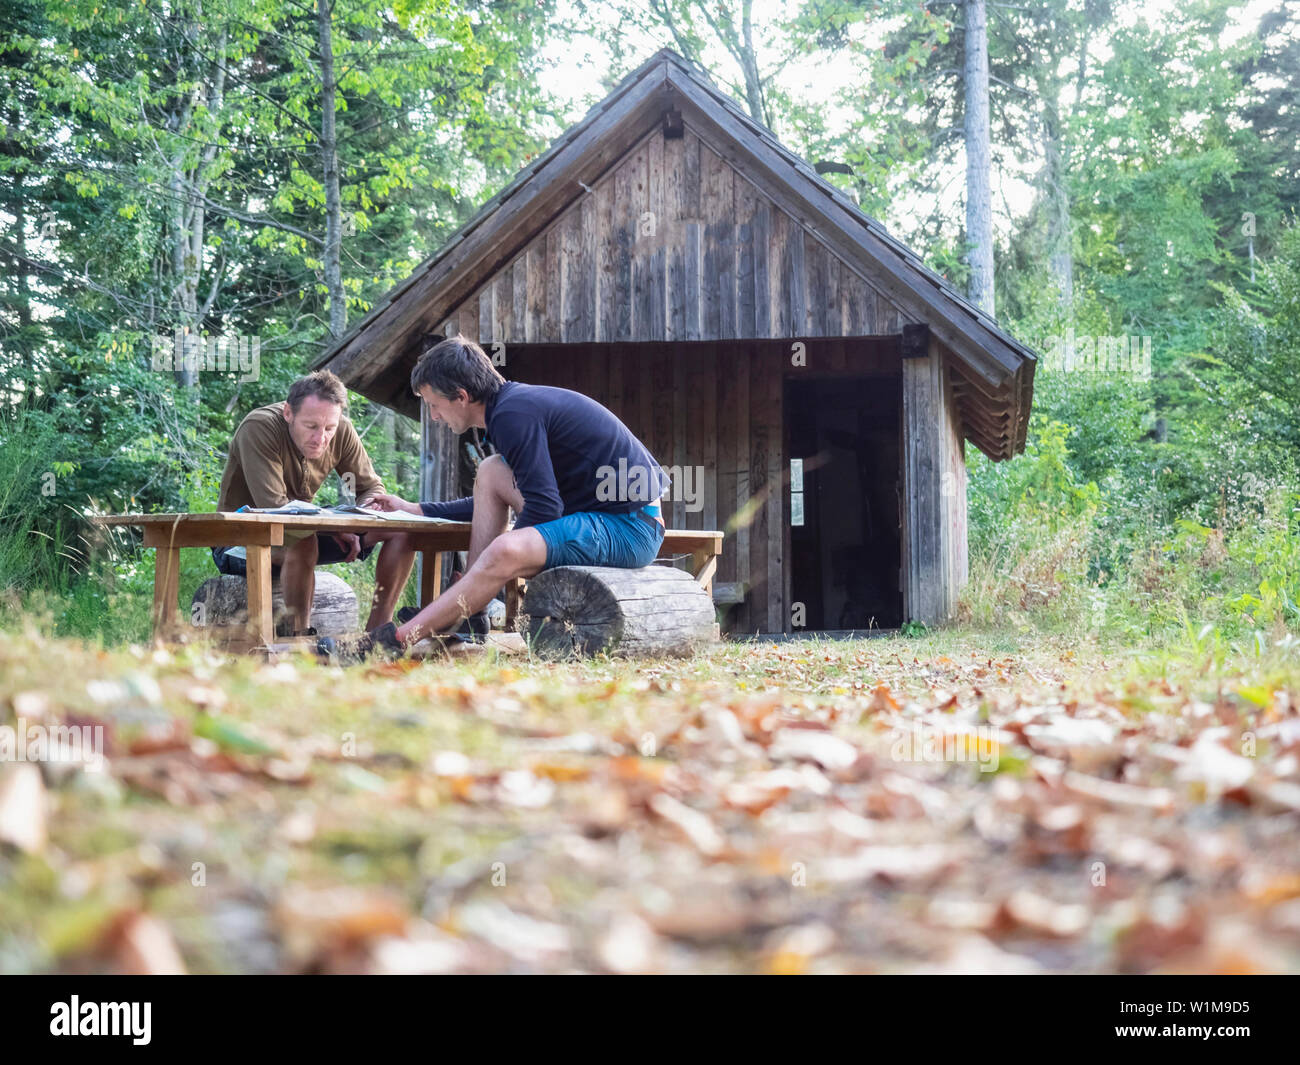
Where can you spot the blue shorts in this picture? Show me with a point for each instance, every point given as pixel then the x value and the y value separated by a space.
pixel 597 538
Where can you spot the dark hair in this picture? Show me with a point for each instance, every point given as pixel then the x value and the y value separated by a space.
pixel 322 384
pixel 457 363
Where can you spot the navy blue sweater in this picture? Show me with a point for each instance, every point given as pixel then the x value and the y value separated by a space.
pixel 568 454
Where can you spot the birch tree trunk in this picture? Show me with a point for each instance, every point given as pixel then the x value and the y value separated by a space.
pixel 749 64
pixel 338 321
pixel 1060 257
pixel 979 197
pixel 188 181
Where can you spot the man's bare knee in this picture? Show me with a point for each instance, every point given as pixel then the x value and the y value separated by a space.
pixel 495 477
pixel 502 557
pixel 401 541
pixel 305 551
pixel 492 472
pixel 513 554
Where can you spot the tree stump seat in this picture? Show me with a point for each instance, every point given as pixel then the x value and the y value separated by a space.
pixel 222 602
pixel 583 610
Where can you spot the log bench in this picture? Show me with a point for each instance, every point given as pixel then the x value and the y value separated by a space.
pixel 221 603
pixel 574 611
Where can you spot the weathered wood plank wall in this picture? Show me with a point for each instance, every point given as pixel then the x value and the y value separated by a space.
pixel 672 243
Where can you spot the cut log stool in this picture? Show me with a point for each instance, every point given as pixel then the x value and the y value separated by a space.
pixel 583 610
pixel 222 603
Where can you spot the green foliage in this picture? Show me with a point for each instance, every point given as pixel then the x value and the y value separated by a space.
pixel 1040 488
pixel 38 532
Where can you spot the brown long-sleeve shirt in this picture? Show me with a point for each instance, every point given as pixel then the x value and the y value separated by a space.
pixel 265 469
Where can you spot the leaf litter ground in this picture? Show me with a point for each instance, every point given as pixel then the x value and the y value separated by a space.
pixel 957 803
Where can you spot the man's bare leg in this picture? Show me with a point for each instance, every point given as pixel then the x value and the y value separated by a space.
pixel 298 579
pixel 494 554
pixel 495 495
pixel 518 553
pixel 392 571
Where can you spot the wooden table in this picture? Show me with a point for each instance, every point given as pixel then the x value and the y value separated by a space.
pixel 258 533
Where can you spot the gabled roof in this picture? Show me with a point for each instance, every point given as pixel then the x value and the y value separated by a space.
pixel 993 371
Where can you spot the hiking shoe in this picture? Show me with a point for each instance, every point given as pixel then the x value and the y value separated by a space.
pixel 384 641
pixel 475 627
pixel 381 643
pixel 472 629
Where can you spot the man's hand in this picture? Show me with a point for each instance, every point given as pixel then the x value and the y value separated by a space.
pixel 349 542
pixel 391 503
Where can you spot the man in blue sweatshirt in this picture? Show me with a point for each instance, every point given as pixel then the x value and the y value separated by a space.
pixel 584 490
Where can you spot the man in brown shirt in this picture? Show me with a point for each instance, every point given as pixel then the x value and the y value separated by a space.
pixel 284 451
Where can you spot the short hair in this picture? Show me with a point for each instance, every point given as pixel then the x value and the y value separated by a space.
pixel 457 363
pixel 322 384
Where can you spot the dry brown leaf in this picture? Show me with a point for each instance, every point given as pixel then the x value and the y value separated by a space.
pixel 314 921
pixel 882 700
pixel 1268 889
pixel 828 750
pixel 1036 913
pixel 694 825
pixel 560 772
pixel 1117 793
pixel 22 807
pixel 140 944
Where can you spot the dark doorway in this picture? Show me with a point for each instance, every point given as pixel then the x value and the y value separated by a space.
pixel 845 534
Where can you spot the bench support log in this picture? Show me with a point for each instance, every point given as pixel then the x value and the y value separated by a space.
pixel 583 610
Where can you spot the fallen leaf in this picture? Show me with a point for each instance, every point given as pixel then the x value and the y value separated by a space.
pixel 694 825
pixel 826 749
pixel 22 807
pixel 517 934
pixel 316 920
pixel 142 945
pixel 1028 910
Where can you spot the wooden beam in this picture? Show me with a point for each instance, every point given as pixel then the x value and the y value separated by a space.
pixel 212 534
pixel 923 573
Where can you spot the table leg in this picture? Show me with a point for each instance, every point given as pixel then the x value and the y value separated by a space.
pixel 260 625
pixel 166 587
pixel 704 564
pixel 430 576
pixel 514 598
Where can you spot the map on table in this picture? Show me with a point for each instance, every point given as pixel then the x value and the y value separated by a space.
pixel 298 506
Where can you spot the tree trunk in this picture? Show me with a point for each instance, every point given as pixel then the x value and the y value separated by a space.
pixel 1057 195
pixel 330 160
pixel 23 285
pixel 406 447
pixel 188 220
pixel 979 198
pixel 749 64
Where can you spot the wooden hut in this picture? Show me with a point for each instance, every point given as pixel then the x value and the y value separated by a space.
pixel 767 340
